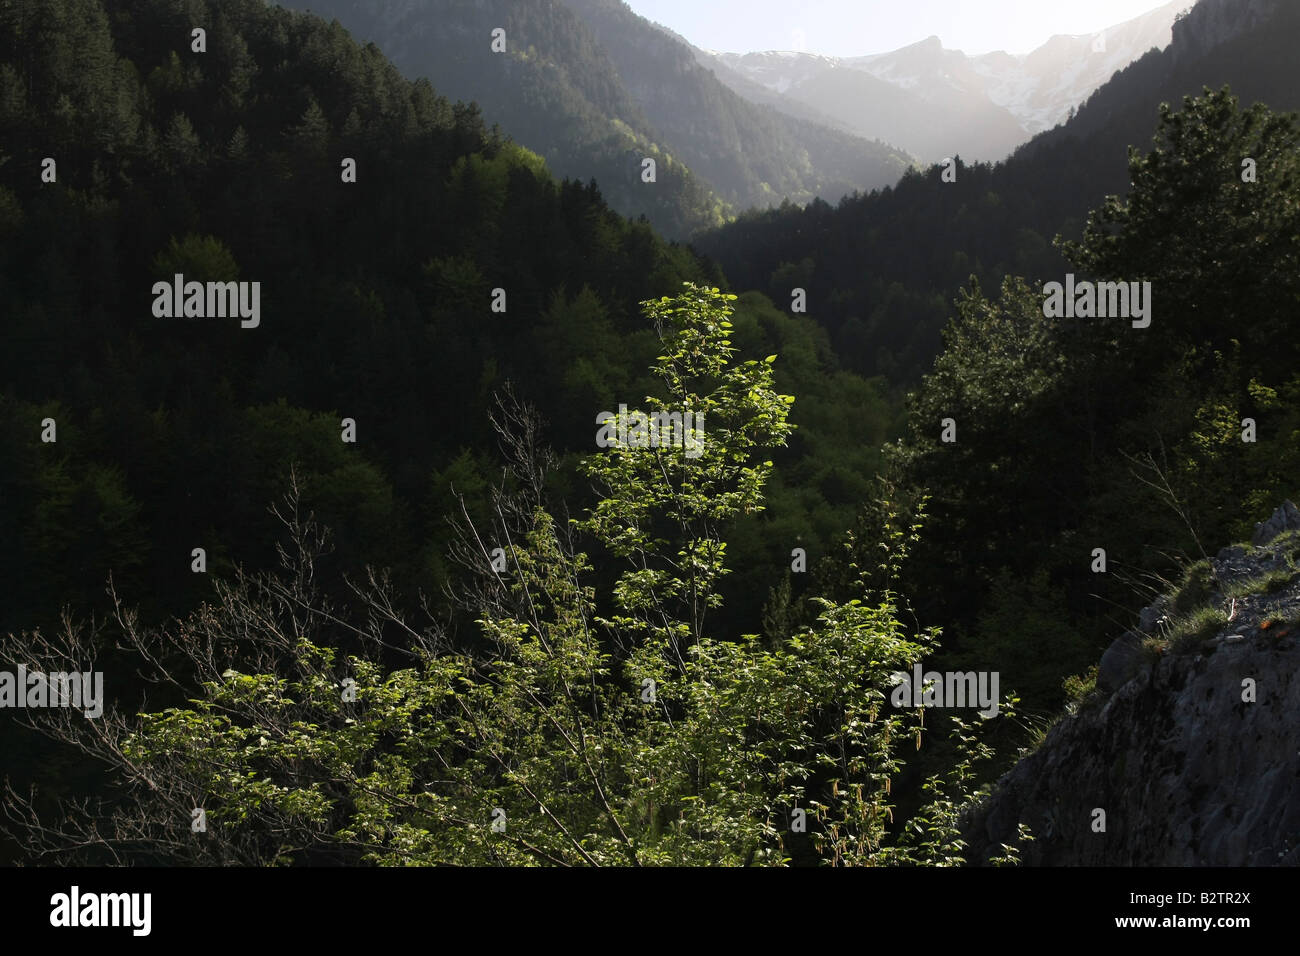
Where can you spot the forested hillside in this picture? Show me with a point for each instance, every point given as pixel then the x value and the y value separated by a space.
pixel 1070 438
pixel 486 626
pixel 454 269
pixel 595 90
pixel 378 302
pixel 1076 467
pixel 881 270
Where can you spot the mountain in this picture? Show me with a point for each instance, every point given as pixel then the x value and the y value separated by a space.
pixel 1217 42
pixel 885 297
pixel 392 307
pixel 415 266
pixel 593 88
pixel 453 268
pixel 960 122
pixel 1038 88
pixel 1192 764
pixel 756 92
pixel 1094 458
pixel 375 294
pixel 937 102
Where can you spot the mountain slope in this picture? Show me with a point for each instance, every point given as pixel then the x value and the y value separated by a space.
pixel 594 89
pixel 937 102
pixel 395 306
pixel 884 296
pixel 752 156
pixel 962 123
pixel 1240 43
pixel 552 90
pixel 1042 87
pixel 379 302
pixel 375 294
pixel 755 92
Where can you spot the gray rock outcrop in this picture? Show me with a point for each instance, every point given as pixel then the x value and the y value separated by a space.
pixel 1123 660
pixel 1193 753
pixel 1285 518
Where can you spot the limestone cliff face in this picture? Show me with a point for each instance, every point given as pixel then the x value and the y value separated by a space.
pixel 1189 769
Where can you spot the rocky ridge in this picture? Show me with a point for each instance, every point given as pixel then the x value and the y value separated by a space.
pixel 1189 743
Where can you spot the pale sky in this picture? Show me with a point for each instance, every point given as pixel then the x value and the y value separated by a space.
pixel 856 27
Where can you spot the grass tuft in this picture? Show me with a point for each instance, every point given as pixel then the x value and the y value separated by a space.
pixel 1269 583
pixel 1189 630
pixel 1197 586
